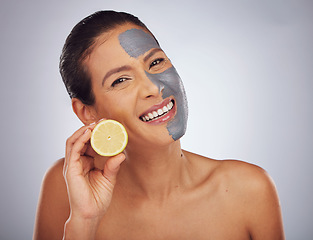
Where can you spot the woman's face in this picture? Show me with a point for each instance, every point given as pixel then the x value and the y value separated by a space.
pixel 135 83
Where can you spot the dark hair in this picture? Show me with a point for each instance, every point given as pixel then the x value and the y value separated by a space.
pixel 78 46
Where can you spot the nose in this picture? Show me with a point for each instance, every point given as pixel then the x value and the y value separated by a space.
pixel 150 85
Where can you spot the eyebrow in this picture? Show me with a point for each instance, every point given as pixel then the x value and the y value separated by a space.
pixel 152 53
pixel 115 70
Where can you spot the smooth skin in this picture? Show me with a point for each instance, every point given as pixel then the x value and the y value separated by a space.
pixel 154 190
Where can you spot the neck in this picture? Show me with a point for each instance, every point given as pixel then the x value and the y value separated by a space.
pixel 155 173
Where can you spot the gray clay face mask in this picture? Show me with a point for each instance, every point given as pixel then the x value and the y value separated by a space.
pixel 136 42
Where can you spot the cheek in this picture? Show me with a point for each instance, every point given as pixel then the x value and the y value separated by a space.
pixel 168 80
pixel 173 86
pixel 118 105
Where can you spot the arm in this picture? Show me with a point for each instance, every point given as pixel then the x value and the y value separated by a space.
pixel 82 198
pixel 263 210
pixel 53 206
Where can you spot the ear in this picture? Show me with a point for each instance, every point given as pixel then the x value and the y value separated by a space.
pixel 85 113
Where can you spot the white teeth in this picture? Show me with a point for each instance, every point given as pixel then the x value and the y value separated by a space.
pixel 157 113
pixel 170 105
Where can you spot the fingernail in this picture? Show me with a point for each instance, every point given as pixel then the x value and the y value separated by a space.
pixel 101 120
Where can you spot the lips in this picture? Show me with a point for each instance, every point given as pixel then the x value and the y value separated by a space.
pixel 159 112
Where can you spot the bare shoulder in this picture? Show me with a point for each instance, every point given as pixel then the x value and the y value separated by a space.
pixel 54 183
pixel 244 173
pixel 243 179
pixel 55 173
pixel 53 204
pixel 232 173
pixel 252 190
pixel 245 190
pixel 250 180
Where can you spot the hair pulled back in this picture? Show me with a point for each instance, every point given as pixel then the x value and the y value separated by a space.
pixel 78 45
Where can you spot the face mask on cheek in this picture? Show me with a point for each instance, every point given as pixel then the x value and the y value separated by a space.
pixel 136 42
pixel 172 85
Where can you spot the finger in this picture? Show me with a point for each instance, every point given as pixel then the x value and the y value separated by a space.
pixel 64 167
pixel 87 164
pixel 112 166
pixel 69 145
pixel 89 151
pixel 81 169
pixel 75 155
pixel 71 140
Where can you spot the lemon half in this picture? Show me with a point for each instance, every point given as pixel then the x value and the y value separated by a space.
pixel 109 138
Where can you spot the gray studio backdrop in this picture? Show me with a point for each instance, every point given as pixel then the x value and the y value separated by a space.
pixel 247 67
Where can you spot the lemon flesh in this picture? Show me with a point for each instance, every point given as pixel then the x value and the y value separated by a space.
pixel 109 138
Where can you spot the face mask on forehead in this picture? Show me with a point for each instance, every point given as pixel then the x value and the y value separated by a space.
pixel 137 42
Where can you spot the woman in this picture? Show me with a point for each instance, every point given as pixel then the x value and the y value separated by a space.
pixel 114 68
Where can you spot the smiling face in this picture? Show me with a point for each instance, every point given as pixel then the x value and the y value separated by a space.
pixel 135 83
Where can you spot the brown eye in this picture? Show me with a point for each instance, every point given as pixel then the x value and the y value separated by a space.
pixel 157 62
pixel 118 81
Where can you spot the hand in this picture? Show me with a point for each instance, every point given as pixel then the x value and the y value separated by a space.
pixel 89 189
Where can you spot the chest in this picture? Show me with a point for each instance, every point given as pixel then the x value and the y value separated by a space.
pixel 184 220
